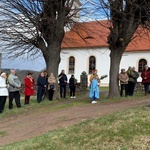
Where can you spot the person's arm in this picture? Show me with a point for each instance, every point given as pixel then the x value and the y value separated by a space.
pixel 3 85
pixel 13 83
pixel 91 78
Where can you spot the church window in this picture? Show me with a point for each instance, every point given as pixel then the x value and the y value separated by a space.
pixel 71 65
pixel 142 63
pixel 92 64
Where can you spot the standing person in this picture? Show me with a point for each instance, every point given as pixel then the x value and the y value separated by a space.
pixel 51 85
pixel 3 91
pixel 46 89
pixel 14 89
pixel 133 75
pixel 29 87
pixel 42 84
pixel 146 79
pixel 94 86
pixel 72 86
pixel 63 83
pixel 123 78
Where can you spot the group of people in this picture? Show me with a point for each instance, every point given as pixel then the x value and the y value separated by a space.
pixel 128 80
pixel 11 85
pixel 48 83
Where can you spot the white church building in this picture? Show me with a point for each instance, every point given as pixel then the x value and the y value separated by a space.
pixel 85 48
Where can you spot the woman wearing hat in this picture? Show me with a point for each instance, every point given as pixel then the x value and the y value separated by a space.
pixel 3 91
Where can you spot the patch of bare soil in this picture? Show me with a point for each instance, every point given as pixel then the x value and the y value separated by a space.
pixel 28 125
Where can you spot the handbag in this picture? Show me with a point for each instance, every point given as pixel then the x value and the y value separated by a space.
pixel 52 86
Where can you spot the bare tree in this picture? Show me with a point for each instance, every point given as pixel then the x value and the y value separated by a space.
pixel 125 16
pixel 34 27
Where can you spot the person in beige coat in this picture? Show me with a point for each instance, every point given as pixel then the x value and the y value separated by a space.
pixel 51 86
pixel 123 78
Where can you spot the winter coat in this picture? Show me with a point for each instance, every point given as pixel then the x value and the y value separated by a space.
pixel 51 81
pixel 123 77
pixel 41 82
pixel 72 82
pixel 133 75
pixel 145 76
pixel 14 83
pixel 3 88
pixel 94 76
pixel 62 79
pixel 29 86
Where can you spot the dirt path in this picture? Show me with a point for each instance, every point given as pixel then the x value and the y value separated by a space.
pixel 30 125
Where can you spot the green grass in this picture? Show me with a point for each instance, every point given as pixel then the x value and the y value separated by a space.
pixel 128 130
pixel 47 106
pixel 3 133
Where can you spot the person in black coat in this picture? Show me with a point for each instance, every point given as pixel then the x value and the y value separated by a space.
pixel 63 83
pixel 72 86
pixel 41 83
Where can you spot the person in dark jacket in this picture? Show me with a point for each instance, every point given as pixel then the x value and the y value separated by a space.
pixel 63 83
pixel 146 79
pixel 41 83
pixel 72 86
pixel 133 75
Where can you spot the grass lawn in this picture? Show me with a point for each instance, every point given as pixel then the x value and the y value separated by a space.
pixel 128 130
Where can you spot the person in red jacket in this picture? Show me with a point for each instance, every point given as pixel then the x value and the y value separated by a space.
pixel 146 79
pixel 29 87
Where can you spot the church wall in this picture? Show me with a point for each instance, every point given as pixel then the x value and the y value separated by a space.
pixel 82 62
pixel 102 61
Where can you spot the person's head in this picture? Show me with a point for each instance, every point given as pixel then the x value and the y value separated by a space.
pixel 95 71
pixel 45 73
pixel 62 71
pixel 29 75
pixel 3 75
pixel 42 74
pixel 72 76
pixel 123 70
pixel 146 67
pixel 51 74
pixel 13 71
pixel 133 68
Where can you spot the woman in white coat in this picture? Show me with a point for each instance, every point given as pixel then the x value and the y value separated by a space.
pixel 3 91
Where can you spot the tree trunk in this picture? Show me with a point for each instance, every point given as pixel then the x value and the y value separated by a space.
pixel 115 58
pixel 52 59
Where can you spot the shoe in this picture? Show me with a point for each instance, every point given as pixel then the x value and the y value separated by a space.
pixel 94 102
pixel 71 97
pixel 74 97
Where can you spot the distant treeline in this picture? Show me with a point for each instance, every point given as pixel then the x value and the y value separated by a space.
pixel 23 73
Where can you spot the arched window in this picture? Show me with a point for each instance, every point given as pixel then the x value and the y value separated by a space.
pixel 142 63
pixel 71 65
pixel 92 64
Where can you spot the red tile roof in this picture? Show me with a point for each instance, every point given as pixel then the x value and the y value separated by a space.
pixel 94 34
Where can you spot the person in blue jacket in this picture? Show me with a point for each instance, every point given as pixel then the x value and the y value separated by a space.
pixel 41 83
